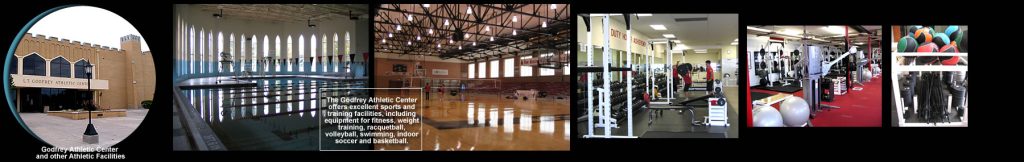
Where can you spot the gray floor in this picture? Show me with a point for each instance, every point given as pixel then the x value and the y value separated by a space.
pixel 64 132
pixel 673 124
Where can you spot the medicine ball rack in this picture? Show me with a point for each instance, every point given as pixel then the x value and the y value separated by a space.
pixel 897 69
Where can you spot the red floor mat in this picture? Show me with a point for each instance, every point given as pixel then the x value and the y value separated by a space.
pixel 857 108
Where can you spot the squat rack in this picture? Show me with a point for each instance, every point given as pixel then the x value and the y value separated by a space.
pixel 604 92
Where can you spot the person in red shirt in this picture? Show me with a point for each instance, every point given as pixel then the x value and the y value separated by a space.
pixel 675 76
pixel 689 82
pixel 710 75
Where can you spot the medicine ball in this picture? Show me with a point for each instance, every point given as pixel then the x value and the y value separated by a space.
pixel 911 29
pixel 906 44
pixel 940 39
pixel 922 35
pixel 963 42
pixel 928 47
pixel 953 32
pixel 951 60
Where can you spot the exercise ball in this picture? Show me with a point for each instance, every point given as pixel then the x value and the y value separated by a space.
pixel 923 35
pixel 795 111
pixel 867 73
pixel 906 44
pixel 767 116
pixel 953 32
pixel 940 39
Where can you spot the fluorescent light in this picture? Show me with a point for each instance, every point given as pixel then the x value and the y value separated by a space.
pixel 669 35
pixel 603 14
pixel 700 50
pixel 859 43
pixel 426 5
pixel 758 29
pixel 644 15
pixel 734 43
pixel 598 15
pixel 736 40
pixel 791 32
pixel 835 29
pixel 659 27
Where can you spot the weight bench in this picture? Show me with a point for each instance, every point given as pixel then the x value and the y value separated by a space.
pixel 687 105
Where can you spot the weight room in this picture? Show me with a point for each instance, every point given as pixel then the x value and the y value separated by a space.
pixel 627 96
pixel 814 76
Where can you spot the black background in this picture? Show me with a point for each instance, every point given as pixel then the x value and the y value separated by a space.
pixel 152 140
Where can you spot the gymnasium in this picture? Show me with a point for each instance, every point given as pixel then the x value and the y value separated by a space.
pixel 493 76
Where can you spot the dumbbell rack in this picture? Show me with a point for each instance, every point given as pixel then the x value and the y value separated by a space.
pixel 896 69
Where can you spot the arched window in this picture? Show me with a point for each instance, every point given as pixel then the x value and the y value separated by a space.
pixel 34 65
pixel 60 67
pixel 13 66
pixel 80 69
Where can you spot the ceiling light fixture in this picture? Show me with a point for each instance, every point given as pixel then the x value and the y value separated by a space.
pixel 669 35
pixel 659 27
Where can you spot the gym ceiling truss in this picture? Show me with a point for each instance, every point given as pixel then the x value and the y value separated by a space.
pixel 288 13
pixel 451 30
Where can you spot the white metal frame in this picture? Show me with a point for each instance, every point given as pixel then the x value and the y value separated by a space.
pixel 896 69
pixel 604 100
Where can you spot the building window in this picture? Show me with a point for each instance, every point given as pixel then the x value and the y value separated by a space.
pixel 337 56
pixel 472 73
pixel 14 66
pixel 80 69
pixel 525 71
pixel 482 70
pixel 547 71
pixel 231 50
pixel 34 65
pixel 565 69
pixel 289 62
pixel 60 67
pixel 510 68
pixel 494 69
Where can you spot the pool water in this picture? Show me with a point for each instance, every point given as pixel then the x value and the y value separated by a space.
pixel 277 114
